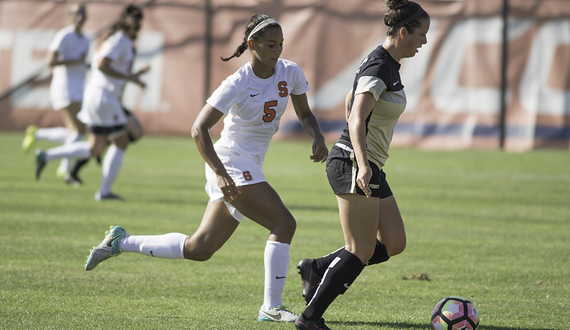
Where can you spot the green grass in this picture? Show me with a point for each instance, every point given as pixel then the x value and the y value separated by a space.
pixel 490 226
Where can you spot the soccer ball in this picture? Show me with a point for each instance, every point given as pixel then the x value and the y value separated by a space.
pixel 454 313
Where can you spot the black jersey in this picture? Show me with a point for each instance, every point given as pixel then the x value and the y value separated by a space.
pixel 379 74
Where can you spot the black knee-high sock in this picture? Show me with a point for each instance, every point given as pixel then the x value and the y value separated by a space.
pixel 78 165
pixel 380 255
pixel 340 274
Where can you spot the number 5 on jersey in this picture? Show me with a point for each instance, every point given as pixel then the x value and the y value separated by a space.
pixel 268 111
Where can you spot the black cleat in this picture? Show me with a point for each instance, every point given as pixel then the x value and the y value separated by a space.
pixel 303 323
pixel 72 180
pixel 310 279
pixel 40 162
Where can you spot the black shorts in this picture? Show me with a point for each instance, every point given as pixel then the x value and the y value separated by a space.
pixel 107 130
pixel 110 130
pixel 342 170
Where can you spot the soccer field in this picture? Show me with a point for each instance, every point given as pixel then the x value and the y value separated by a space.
pixel 492 227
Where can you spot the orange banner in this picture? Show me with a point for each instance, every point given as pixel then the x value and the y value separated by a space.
pixel 453 84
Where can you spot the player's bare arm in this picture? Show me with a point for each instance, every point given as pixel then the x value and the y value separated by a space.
pixel 310 124
pixel 363 105
pixel 207 118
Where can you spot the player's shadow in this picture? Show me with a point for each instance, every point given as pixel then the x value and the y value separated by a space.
pixel 403 326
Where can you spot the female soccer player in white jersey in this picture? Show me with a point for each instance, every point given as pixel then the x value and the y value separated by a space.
pixel 102 110
pixel 253 100
pixel 371 222
pixel 67 56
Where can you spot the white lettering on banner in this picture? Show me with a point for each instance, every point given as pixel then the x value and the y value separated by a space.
pixel 24 65
pixel 446 93
pixel 536 96
pixel 5 39
pixel 333 93
pixel 149 52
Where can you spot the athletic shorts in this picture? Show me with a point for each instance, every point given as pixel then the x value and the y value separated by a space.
pixel 242 167
pixel 342 170
pixel 101 107
pixel 111 132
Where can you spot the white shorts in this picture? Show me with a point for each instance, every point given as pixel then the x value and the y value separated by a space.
pixel 242 167
pixel 101 108
pixel 62 93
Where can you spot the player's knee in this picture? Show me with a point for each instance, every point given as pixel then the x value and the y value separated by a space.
pixel 197 254
pixel 286 228
pixel 201 256
pixel 397 247
pixel 81 129
pixel 97 150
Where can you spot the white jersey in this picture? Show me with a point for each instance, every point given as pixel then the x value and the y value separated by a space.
pixel 68 80
pixel 101 104
pixel 118 48
pixel 254 106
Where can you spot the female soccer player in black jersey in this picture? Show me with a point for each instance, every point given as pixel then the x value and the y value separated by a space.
pixel 371 222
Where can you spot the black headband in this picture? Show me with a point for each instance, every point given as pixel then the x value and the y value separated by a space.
pixel 411 18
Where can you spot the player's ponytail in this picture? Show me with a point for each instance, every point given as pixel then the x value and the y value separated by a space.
pixel 403 13
pixel 253 22
pixel 130 12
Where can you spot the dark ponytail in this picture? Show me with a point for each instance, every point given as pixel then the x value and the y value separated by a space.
pixel 403 13
pixel 251 24
pixel 130 12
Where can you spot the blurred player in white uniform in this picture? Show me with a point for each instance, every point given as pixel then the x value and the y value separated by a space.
pixel 67 56
pixel 102 111
pixel 253 100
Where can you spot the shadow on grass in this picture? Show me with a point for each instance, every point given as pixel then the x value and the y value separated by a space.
pixel 402 326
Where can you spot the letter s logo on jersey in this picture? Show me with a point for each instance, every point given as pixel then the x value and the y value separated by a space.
pixel 283 91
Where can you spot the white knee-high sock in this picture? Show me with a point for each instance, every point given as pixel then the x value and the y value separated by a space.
pixel 65 164
pixel 276 259
pixel 111 166
pixel 168 246
pixel 55 134
pixel 78 150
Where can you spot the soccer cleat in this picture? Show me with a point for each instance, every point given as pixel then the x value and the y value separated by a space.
pixel 40 162
pixel 30 138
pixel 303 323
pixel 72 180
pixel 109 197
pixel 276 314
pixel 310 279
pixel 109 247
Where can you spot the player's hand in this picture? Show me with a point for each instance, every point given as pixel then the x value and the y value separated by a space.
pixel 135 78
pixel 143 70
pixel 228 188
pixel 363 178
pixel 320 151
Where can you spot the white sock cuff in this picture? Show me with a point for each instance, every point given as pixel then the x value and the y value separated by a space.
pixel 279 245
pixel 182 243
